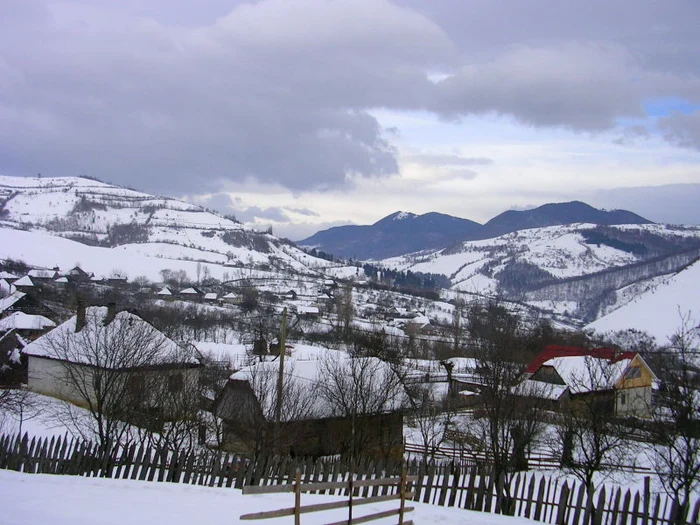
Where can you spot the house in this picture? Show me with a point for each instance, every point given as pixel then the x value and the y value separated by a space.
pixel 17 330
pixel 25 284
pixel 192 294
pixel 78 275
pixel 116 282
pixel 8 276
pixel 62 282
pixel 211 297
pixel 231 297
pixel 621 380
pixel 23 302
pixel 306 310
pixel 6 288
pixel 42 275
pixel 99 345
pixel 25 322
pixel 311 424
pixel 165 294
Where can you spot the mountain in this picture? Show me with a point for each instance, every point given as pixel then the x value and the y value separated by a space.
pixel 557 214
pixel 402 233
pixel 573 273
pixel 396 234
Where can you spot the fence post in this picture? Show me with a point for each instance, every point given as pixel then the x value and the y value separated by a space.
pixel 563 500
pixel 402 492
pixel 297 498
pixel 646 501
pixel 600 508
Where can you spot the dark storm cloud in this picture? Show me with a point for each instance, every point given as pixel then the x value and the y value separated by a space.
pixel 275 91
pixel 584 87
pixel 171 96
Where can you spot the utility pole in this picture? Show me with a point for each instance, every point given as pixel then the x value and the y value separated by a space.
pixel 280 377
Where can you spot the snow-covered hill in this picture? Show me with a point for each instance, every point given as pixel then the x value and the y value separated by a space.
pixel 575 273
pixel 125 231
pixel 658 309
pixel 579 270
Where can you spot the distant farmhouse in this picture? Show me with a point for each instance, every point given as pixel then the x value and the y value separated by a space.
pixel 621 380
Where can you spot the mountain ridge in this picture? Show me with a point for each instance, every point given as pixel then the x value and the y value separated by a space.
pixel 401 233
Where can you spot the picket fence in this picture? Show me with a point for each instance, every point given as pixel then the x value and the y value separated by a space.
pixel 531 495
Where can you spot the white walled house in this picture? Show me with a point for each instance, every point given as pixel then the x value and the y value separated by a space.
pixel 100 353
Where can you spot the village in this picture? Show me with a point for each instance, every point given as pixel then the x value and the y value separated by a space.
pixel 334 371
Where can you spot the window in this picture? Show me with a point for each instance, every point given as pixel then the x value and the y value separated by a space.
pixel 623 398
pixel 633 372
pixel 175 383
pixel 135 389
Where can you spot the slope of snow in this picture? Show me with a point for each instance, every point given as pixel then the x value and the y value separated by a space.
pixel 657 310
pixel 90 210
pixel 30 499
pixel 560 250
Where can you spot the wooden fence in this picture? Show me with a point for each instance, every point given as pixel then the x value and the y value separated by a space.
pixel 532 495
pixel 351 487
pixel 465 456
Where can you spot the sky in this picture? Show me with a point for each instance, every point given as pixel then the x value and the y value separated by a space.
pixel 307 114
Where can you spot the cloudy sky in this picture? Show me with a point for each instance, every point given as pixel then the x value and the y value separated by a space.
pixel 308 113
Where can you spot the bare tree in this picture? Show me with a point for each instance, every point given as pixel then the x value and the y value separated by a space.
pixel 112 366
pixel 344 309
pixel 590 439
pixel 676 451
pixel 358 387
pixel 17 406
pixel 504 424
pixel 431 416
pixel 250 408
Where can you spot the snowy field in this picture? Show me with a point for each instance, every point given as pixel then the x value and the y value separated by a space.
pixel 29 499
pixel 657 310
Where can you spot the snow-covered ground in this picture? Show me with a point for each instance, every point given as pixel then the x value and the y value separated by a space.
pixel 29 499
pixel 658 311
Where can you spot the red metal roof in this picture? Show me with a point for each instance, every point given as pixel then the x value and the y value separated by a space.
pixel 552 351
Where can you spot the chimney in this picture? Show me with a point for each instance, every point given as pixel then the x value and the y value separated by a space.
pixel 111 312
pixel 80 316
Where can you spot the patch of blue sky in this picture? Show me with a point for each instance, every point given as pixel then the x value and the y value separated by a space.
pixel 665 106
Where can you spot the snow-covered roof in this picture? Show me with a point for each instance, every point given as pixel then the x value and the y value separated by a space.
pixel 530 388
pixel 307 309
pixel 8 301
pixel 24 281
pixel 189 291
pixel 164 291
pixel 22 321
pixel 105 343
pixel 62 280
pixel 237 354
pixel 304 375
pixel 8 275
pixel 6 288
pixel 588 374
pixel 210 296
pixel 230 295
